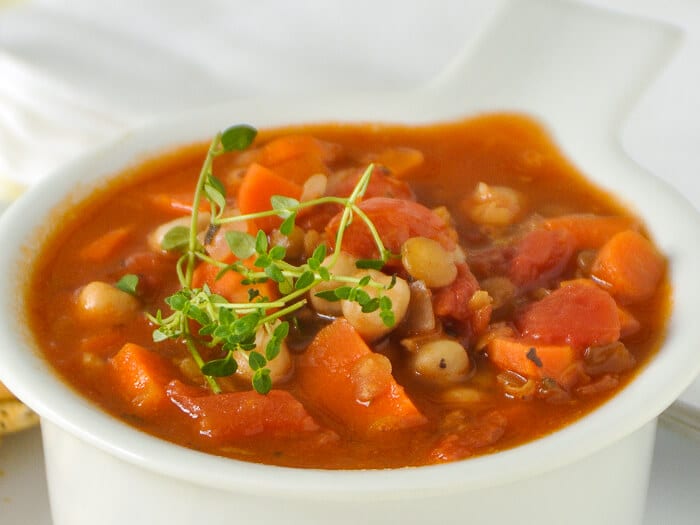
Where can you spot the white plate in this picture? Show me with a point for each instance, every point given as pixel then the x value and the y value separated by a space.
pixel 672 493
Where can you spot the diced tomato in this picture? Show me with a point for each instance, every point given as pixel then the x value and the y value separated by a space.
pixel 396 220
pixel 452 302
pixel 380 185
pixel 223 418
pixel 487 262
pixel 330 380
pixel 577 314
pixel 476 434
pixel 540 256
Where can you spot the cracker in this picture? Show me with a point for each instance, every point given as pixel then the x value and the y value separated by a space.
pixel 15 416
pixel 5 394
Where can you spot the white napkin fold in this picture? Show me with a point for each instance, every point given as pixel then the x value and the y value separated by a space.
pixel 43 123
pixel 74 72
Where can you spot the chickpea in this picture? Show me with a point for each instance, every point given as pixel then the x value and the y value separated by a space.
pixel 93 362
pixel 155 238
pixel 280 367
pixel 105 305
pixel 314 187
pixel 372 376
pixel 344 266
pixel 494 205
pixel 584 261
pixel 442 361
pixel 312 239
pixel 462 395
pixel 292 243
pixel 370 325
pixel 500 289
pixel 426 260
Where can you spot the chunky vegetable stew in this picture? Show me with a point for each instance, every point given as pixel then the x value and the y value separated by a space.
pixel 352 296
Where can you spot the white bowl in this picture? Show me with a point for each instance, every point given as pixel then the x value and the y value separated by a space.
pixel 537 58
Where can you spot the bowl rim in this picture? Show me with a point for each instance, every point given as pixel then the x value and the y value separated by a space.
pixel 638 403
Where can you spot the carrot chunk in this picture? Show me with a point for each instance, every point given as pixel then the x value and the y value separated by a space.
pixel 577 314
pixel 223 418
pixel 230 284
pixel 629 267
pixel 401 162
pixel 531 359
pixel 176 204
pixel 141 377
pixel 297 157
pixel 629 324
pixel 258 186
pixel 106 245
pixel 334 376
pixel 590 231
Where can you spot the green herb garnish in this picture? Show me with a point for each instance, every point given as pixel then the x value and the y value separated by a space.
pixel 202 319
pixel 128 283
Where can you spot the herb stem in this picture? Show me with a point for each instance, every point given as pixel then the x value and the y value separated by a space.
pixel 284 311
pixel 213 151
pixel 192 348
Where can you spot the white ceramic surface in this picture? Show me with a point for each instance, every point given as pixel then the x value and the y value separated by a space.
pixel 548 59
pixel 672 496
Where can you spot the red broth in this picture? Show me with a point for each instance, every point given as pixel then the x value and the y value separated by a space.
pixel 531 297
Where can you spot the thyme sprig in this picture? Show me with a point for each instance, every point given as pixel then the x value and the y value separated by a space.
pixel 202 319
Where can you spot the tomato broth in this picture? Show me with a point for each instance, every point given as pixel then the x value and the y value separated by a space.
pixel 513 296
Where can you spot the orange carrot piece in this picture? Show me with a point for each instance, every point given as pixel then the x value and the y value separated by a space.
pixel 629 325
pixel 400 161
pixel 530 359
pixel 178 204
pixel 288 147
pixel 229 284
pixel 330 373
pixel 103 342
pixel 590 231
pixel 297 157
pixel 259 185
pixel 106 245
pixel 141 377
pixel 629 267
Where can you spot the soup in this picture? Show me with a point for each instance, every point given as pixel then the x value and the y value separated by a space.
pixel 351 296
